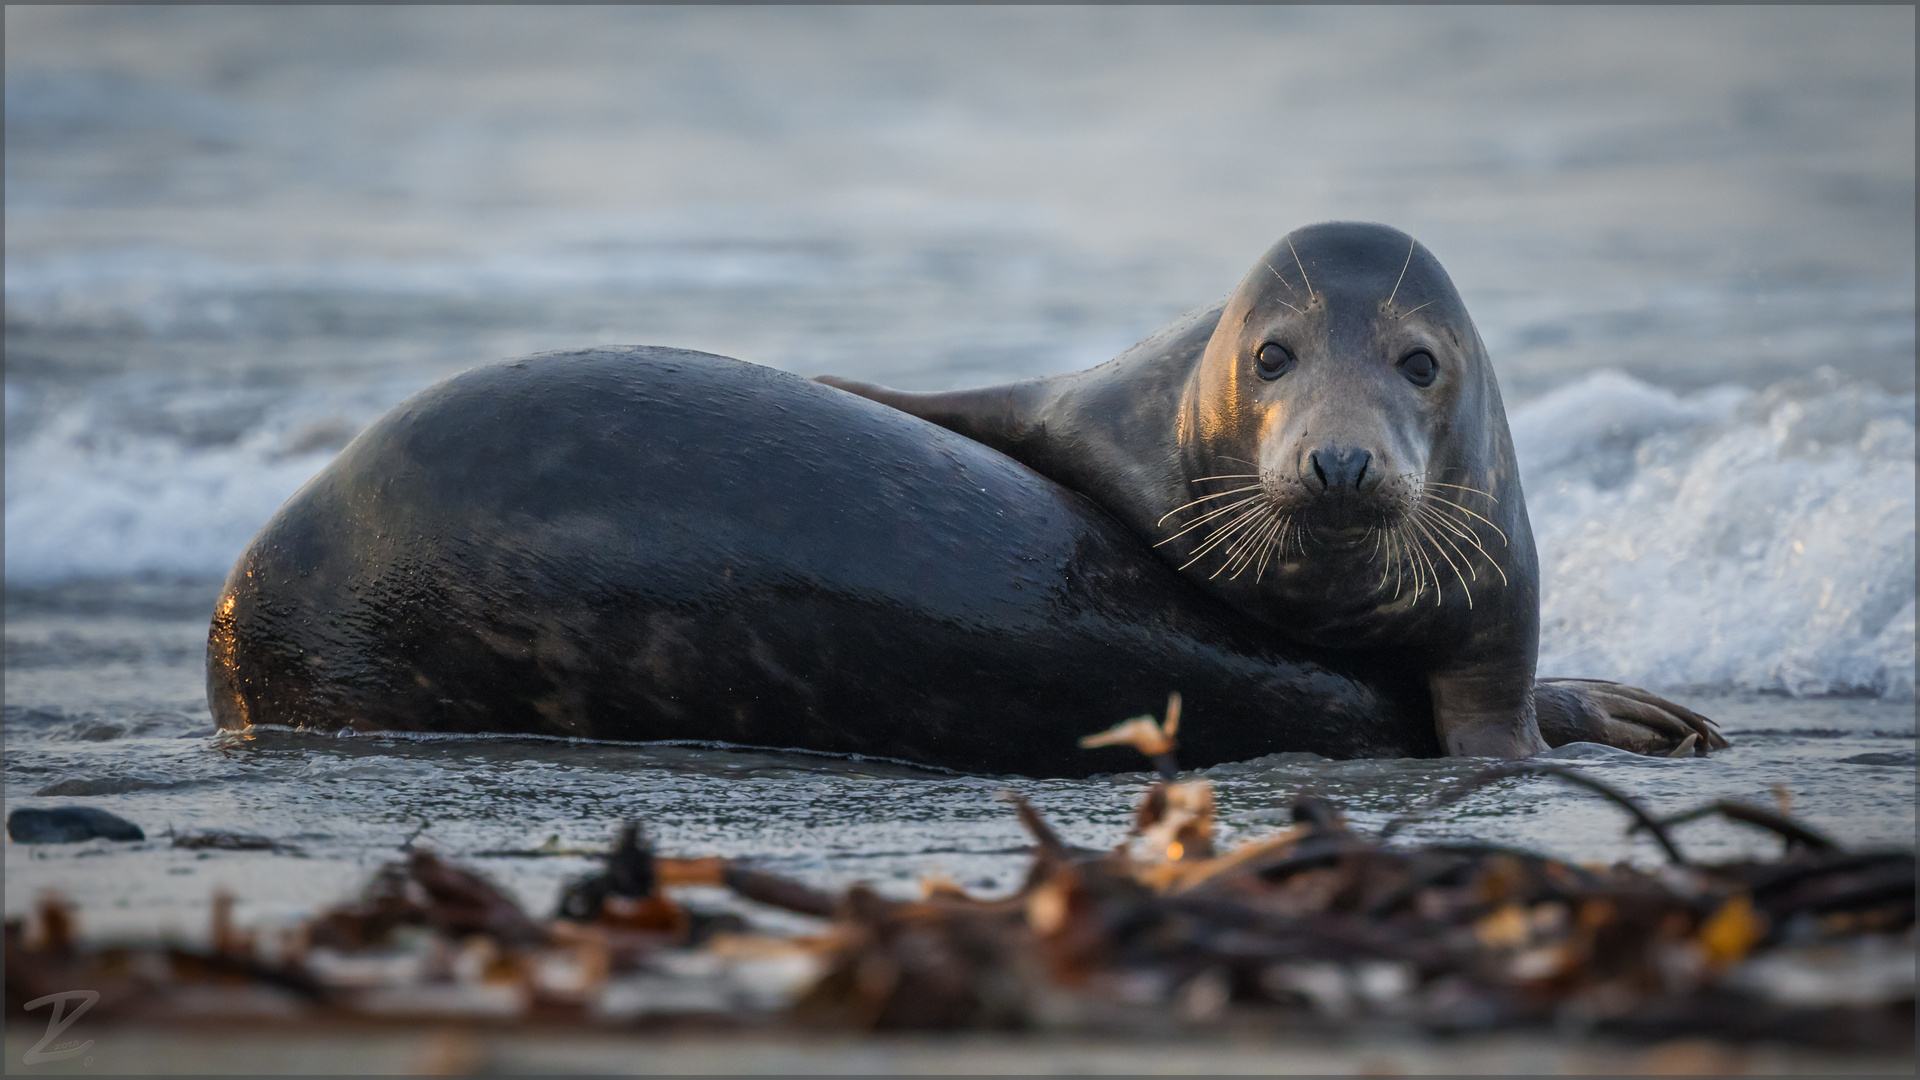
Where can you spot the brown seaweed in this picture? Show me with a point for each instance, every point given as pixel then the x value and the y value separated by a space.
pixel 1314 924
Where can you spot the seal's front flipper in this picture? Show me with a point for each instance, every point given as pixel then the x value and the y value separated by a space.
pixel 999 416
pixel 1614 714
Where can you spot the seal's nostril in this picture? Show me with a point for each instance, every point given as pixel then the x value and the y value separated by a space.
pixel 1340 467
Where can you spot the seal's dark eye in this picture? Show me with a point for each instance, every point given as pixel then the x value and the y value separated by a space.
pixel 1273 360
pixel 1419 368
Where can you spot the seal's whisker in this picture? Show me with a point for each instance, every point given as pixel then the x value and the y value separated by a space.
pixel 1465 533
pixel 1433 572
pixel 1462 487
pixel 1241 546
pixel 1231 557
pixel 1306 533
pixel 1241 460
pixel 1462 578
pixel 1464 510
pixel 1431 504
pixel 1403 274
pixel 1303 268
pixel 1258 542
pixel 1222 532
pixel 1236 525
pixel 1417 557
pixel 1440 533
pixel 1457 508
pixel 1384 553
pixel 1216 511
pixel 1244 552
pixel 1290 288
pixel 1276 548
pixel 1454 525
pixel 1227 476
pixel 1413 566
pixel 1410 311
pixel 1209 516
pixel 1412 550
pixel 1393 556
pixel 1266 555
pixel 1270 544
pixel 1207 498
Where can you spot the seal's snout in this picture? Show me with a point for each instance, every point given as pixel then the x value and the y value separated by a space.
pixel 1336 469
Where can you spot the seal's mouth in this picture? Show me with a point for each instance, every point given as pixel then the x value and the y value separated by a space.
pixel 1343 536
pixel 1342 519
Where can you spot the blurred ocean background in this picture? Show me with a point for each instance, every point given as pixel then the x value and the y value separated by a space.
pixel 236 235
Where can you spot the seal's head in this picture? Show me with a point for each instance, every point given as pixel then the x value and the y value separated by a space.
pixel 1344 412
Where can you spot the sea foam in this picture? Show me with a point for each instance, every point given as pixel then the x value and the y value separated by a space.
pixel 1729 538
pixel 1732 538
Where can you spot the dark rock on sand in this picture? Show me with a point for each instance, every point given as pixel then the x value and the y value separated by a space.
pixel 69 824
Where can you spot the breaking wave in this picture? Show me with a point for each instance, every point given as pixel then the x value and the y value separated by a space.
pixel 1758 540
pixel 1733 538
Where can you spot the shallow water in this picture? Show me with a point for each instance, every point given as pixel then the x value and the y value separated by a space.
pixel 234 237
pixel 130 733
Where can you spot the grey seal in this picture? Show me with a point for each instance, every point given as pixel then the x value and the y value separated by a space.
pixel 1326 452
pixel 647 544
